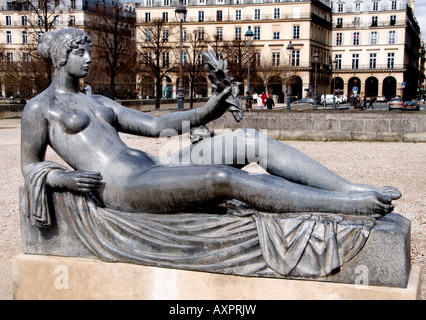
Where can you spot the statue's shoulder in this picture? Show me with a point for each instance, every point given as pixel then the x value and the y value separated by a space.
pixel 36 105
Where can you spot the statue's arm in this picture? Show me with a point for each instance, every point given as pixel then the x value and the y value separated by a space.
pixel 140 123
pixel 33 136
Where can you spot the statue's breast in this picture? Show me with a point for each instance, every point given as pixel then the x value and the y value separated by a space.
pixel 74 121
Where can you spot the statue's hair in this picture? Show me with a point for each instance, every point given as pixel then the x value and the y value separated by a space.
pixel 54 46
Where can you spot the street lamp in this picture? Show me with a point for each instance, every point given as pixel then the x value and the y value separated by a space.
pixel 334 66
pixel 249 40
pixel 290 49
pixel 180 12
pixel 316 56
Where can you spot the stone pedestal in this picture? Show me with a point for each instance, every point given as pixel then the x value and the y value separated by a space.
pixel 49 277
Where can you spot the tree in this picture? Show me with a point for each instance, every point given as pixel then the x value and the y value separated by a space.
pixel 154 53
pixel 114 48
pixel 236 52
pixel 193 65
pixel 43 18
pixel 268 69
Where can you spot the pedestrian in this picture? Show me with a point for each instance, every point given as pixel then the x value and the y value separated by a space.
pixel 259 101
pixel 248 101
pixel 87 88
pixel 364 103
pixel 371 103
pixel 269 102
pixel 263 98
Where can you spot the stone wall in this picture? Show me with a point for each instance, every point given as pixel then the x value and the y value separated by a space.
pixel 332 125
pixel 321 125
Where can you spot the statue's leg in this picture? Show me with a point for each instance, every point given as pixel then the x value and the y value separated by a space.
pixel 173 188
pixel 244 146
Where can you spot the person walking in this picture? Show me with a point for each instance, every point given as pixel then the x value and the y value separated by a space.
pixel 269 102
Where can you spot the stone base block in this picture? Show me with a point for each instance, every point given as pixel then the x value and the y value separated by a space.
pixel 50 277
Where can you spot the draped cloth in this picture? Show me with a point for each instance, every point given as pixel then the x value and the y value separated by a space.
pixel 241 241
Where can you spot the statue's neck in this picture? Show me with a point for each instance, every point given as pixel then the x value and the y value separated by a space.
pixel 63 81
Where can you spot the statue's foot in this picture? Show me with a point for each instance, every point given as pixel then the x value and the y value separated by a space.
pixel 390 191
pixel 371 203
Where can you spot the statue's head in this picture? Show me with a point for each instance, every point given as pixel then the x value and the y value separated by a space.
pixel 54 46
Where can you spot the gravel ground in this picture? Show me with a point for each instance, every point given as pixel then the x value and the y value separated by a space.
pixel 398 164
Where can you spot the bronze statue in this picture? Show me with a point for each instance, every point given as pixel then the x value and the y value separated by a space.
pixel 83 130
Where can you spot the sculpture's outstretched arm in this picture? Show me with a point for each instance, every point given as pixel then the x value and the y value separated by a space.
pixel 224 97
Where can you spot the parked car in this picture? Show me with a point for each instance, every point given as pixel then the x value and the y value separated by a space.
pixel 381 99
pixel 329 100
pixel 410 105
pixel 343 98
pixel 395 103
pixel 305 100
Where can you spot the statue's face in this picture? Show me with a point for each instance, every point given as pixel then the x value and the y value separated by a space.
pixel 78 63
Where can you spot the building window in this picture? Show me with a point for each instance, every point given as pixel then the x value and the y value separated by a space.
pixel 275 58
pixel 338 62
pixel 201 34
pixel 358 7
pixel 71 21
pixel 340 7
pixel 24 36
pixel 392 20
pixel 373 37
pixel 200 16
pixel 391 61
pixel 375 6
pixel 183 34
pixel 393 4
pixel 296 32
pixel 165 59
pixel 166 3
pixel 392 37
pixel 73 6
pixel 257 15
pixel 277 13
pixel 201 2
pixel 9 57
pixel 238 15
pixel 220 1
pixel 355 39
pixel 373 60
pixel 339 39
pixel 295 58
pixel 148 35
pixel 256 33
pixel 219 16
pixel 257 57
pixel 374 21
pixel 8 20
pixel 8 36
pixel 339 23
pixel 355 61
pixel 165 16
pixel 24 20
pixel 238 1
pixel 165 35
pixel 147 16
pixel 219 34
pixel 276 35
pixel 148 3
pixel 238 33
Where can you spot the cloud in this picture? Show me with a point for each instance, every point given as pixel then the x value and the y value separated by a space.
pixel 420 13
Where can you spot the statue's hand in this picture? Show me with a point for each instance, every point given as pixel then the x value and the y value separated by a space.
pixel 221 81
pixel 77 181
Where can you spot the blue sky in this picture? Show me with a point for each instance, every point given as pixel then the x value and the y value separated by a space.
pixel 420 13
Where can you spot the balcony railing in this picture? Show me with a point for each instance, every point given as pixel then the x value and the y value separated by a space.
pixel 377 67
pixel 368 25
